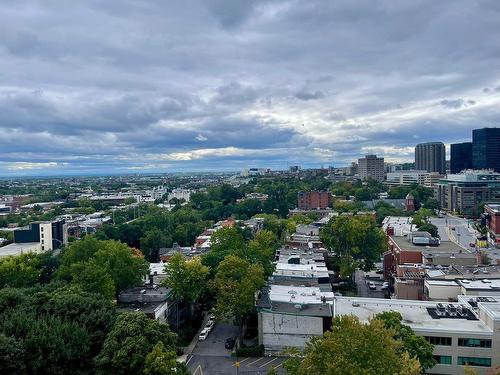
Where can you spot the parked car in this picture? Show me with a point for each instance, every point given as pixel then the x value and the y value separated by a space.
pixel 210 325
pixel 372 285
pixel 203 334
pixel 211 317
pixel 452 228
pixel 385 285
pixel 230 342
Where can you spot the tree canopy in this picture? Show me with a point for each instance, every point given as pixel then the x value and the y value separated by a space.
pixel 416 346
pixel 235 284
pixel 353 241
pixel 353 348
pixel 130 341
pixel 186 278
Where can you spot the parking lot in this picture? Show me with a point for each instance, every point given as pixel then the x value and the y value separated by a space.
pixel 210 357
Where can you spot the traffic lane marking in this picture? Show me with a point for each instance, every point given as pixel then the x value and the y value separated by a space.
pixel 267 363
pixel 240 362
pixel 257 360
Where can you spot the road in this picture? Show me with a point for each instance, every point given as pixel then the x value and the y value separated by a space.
pixel 210 357
pixel 463 235
pixel 362 286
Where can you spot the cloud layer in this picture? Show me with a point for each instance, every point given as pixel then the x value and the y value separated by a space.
pixel 127 86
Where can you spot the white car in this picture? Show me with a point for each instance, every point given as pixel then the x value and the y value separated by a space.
pixel 211 318
pixel 372 285
pixel 203 334
pixel 385 285
pixel 210 325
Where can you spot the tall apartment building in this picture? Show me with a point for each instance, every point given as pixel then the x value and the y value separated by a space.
pixel 371 167
pixel 460 157
pixel 486 149
pixel 464 192
pixel 431 157
pixel 314 200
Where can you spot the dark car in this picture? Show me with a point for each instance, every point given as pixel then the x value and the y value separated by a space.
pixel 230 343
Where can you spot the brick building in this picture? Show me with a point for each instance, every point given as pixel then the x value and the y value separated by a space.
pixel 314 200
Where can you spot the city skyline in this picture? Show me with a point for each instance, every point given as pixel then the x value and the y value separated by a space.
pixel 126 87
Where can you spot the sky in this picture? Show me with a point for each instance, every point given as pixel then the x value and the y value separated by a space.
pixel 129 86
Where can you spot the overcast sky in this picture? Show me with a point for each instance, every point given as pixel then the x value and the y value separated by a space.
pixel 156 86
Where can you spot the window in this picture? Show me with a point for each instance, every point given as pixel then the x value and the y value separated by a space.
pixel 42 235
pixel 443 359
pixel 473 361
pixel 436 340
pixel 474 343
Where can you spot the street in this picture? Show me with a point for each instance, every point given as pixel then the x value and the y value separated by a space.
pixel 210 357
pixel 362 286
pixel 464 233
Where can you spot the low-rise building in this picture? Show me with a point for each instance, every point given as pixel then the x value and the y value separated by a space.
pixel 467 332
pixel 492 216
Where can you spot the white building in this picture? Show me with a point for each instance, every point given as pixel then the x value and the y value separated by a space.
pixel 467 332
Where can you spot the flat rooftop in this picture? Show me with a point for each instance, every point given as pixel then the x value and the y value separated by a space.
pixel 298 294
pixel 301 267
pixel 414 314
pixel 18 248
pixel 445 247
pixel 492 285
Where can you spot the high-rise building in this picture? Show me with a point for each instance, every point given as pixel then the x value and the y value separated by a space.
pixel 460 157
pixel 371 167
pixel 431 157
pixel 486 149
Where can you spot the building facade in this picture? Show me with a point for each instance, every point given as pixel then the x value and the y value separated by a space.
pixel 50 235
pixel 431 157
pixel 314 200
pixel 371 167
pixel 460 157
pixel 463 193
pixel 486 149
pixel 492 212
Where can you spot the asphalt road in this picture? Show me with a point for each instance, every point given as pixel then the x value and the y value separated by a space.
pixel 210 357
pixel 464 234
pixel 362 286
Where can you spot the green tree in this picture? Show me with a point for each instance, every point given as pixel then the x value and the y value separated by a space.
pixel 416 346
pixel 235 284
pixel 52 345
pixel 224 242
pixel 161 361
pixel 186 278
pixel 132 338
pixel 88 269
pixel 431 228
pixel 11 356
pixel 353 241
pixel 262 249
pixel 20 271
pixel 353 348
pixel 152 242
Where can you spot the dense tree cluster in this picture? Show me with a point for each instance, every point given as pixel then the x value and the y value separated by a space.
pixel 353 348
pixel 57 314
pixel 354 241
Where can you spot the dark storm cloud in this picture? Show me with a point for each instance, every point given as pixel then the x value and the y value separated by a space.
pixel 200 84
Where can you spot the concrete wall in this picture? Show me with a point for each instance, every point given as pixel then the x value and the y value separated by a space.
pixel 278 331
pixel 442 292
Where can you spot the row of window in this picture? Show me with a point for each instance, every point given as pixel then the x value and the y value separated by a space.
pixel 472 343
pixel 462 361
